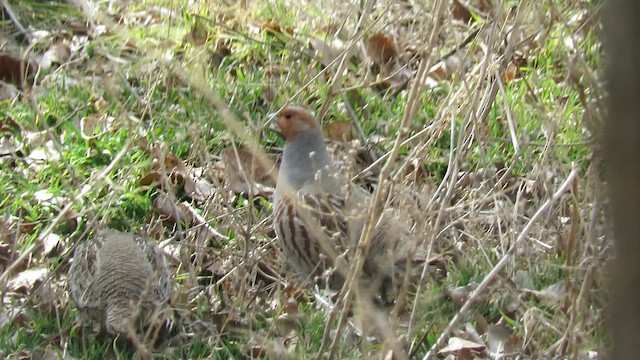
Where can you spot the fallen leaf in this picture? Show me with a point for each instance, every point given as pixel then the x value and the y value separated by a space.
pixel 8 92
pixel 457 344
pixel 219 54
pixel 57 54
pixel 166 206
pixel 13 313
pixel 198 35
pixel 93 126
pixel 552 294
pixel 26 279
pixel 290 318
pixel 273 27
pixel 198 189
pixel 14 70
pixel 523 280
pixel 175 168
pixel 50 242
pixel 340 131
pixel 8 125
pixel 325 52
pixel 460 294
pixel 54 353
pixel 460 12
pixel 40 157
pixel 244 172
pixel 381 48
pixel 498 339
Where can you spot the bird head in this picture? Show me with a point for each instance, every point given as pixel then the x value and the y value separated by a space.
pixel 294 120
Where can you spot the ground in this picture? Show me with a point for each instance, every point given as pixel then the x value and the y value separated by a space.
pixel 153 117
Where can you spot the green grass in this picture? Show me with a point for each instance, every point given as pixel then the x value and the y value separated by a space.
pixel 153 109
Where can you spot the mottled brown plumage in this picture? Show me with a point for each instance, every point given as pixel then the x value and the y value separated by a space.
pixel 119 280
pixel 319 214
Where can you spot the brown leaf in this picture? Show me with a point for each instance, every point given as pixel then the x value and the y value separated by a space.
pixel 340 131
pixel 198 189
pixel 552 294
pixel 165 205
pixel 499 339
pixel 325 52
pixel 511 73
pixel 244 172
pixel 57 54
pixel 26 279
pixel 14 70
pixel 8 91
pixel 50 243
pixel 460 294
pixel 8 125
pixel 273 27
pixel 175 168
pixel 39 157
pixel 446 68
pixel 290 318
pixel 222 51
pixel 457 345
pixel 198 35
pixel 460 12
pixel 381 48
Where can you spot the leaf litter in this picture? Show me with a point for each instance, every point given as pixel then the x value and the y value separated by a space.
pixel 225 254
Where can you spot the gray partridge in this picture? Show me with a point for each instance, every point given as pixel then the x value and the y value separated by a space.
pixel 319 214
pixel 119 280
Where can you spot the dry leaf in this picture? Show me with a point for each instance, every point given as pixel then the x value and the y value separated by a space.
pixel 218 55
pixel 381 49
pixel 91 123
pixel 166 206
pixel 198 189
pixel 8 92
pixel 11 314
pixel 50 242
pixel 523 280
pixel 444 69
pixel 198 35
pixel 244 172
pixel 457 344
pixel 57 54
pixel 14 70
pixel 26 279
pixel 54 353
pixel 499 339
pixel 340 131
pixel 460 12
pixel 273 27
pixel 38 158
pixel 325 53
pixel 460 294
pixel 8 125
pixel 290 318
pixel 552 294
pixel 175 168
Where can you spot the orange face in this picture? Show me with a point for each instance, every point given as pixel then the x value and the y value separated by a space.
pixel 294 120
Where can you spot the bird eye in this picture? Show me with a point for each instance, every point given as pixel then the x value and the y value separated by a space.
pixel 288 116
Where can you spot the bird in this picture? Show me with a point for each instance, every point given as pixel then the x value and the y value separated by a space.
pixel 319 215
pixel 120 280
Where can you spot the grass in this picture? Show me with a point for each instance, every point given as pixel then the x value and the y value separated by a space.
pixel 127 99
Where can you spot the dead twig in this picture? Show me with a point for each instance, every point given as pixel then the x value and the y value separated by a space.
pixel 483 286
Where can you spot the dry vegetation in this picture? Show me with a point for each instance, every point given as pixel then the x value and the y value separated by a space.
pixel 475 121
